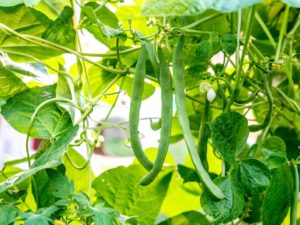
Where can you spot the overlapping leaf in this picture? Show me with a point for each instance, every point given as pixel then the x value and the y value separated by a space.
pixel 50 121
pixel 229 134
pixel 192 7
pixel 119 188
pixel 228 208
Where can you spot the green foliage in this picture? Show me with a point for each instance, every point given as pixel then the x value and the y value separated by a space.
pixel 278 198
pixel 10 83
pixel 188 52
pixel 231 206
pixel 51 121
pixel 134 199
pixel 186 218
pixel 254 176
pixel 191 7
pixel 229 134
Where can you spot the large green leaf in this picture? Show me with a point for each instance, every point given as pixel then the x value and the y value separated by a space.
pixel 22 176
pixel 25 21
pixel 254 176
pixel 56 151
pixel 52 8
pixel 103 23
pixel 119 188
pixel 50 121
pixel 149 89
pixel 229 134
pixel 228 208
pixel 192 7
pixel 274 151
pixel 278 198
pixel 8 3
pixel 98 79
pixel 293 3
pixel 61 30
pixel 51 158
pixel 10 83
pixel 82 184
pixel 51 185
pixel 8 214
pixel 36 219
pixel 187 218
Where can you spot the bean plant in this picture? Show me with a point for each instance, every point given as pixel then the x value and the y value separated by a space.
pixel 228 74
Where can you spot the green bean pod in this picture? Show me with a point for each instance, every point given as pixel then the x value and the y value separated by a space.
pixel 178 78
pixel 134 112
pixel 268 117
pixel 166 119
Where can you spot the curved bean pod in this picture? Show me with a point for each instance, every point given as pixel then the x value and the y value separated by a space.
pixel 134 113
pixel 166 119
pixel 178 77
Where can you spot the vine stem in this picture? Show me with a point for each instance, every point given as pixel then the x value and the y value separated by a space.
pixel 45 43
pixel 294 207
pixel 240 61
pixel 203 20
pixel 265 29
pixel 91 106
pixel 33 117
pixel 41 62
pixel 282 32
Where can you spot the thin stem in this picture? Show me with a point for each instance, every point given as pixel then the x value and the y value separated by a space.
pixel 265 29
pixel 41 62
pixel 282 32
pixel 203 20
pixel 293 215
pixel 105 55
pixel 240 62
pixel 46 43
pixel 91 106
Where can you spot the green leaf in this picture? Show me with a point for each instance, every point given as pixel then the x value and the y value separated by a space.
pixel 278 198
pixel 98 79
pixel 8 214
pixel 119 189
pixel 61 30
pixel 50 185
pixel 63 90
pixel 36 219
pixel 192 7
pixel 149 89
pixel 274 151
pixel 10 83
pixel 24 20
pixel 10 3
pixel 51 158
pixel 22 176
pixel 51 122
pixel 229 43
pixel 52 8
pixel 293 3
pixel 56 151
pixel 6 3
pixel 254 176
pixel 229 134
pixel 228 208
pixel 204 50
pixel 82 184
pixel 188 174
pixel 187 218
pixel 103 24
